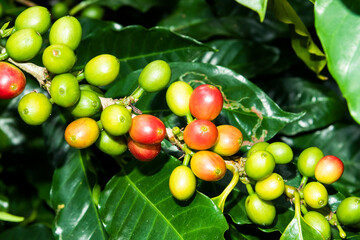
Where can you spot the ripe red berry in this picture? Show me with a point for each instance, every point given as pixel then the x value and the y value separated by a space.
pixel 208 166
pixel 206 102
pixel 200 134
pixel 329 169
pixel 147 129
pixel 143 152
pixel 12 81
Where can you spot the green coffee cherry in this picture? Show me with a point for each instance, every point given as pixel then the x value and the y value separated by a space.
pixel 259 211
pixel 155 76
pixel 307 161
pixel 281 152
pixel 66 30
pixel 60 9
pixel 178 96
pixel 102 70
pixel 37 18
pixel 58 58
pixel 65 90
pixel 34 108
pixel 319 222
pixel 271 187
pixel 88 105
pixel 259 165
pixel 315 195
pixel 111 145
pixel 116 119
pixel 93 11
pixel 348 212
pixel 260 146
pixel 23 45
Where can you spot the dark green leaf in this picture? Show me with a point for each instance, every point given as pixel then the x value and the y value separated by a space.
pixel 258 6
pixel 322 106
pixel 336 23
pixel 142 5
pixel 340 140
pixel 33 232
pixel 135 46
pixel 245 57
pixel 137 203
pixel 301 40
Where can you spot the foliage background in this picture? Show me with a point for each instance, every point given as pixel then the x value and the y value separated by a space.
pixel 276 66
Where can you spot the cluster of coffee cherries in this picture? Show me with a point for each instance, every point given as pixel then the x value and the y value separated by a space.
pixel 112 126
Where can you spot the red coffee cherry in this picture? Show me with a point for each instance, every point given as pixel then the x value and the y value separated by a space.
pixel 229 140
pixel 82 133
pixel 143 152
pixel 12 81
pixel 208 166
pixel 147 129
pixel 206 102
pixel 200 134
pixel 329 169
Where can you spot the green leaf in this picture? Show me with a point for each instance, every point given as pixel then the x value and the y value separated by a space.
pixel 340 140
pixel 335 23
pixel 32 232
pixel 245 57
pixel 258 6
pixel 322 105
pixel 142 5
pixel 298 229
pixel 135 46
pixel 194 18
pixel 137 203
pixel 301 40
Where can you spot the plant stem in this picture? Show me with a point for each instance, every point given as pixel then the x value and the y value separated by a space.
pixel 100 125
pixel 80 76
pixel 249 188
pixel 221 199
pixel 189 118
pixel 81 6
pixel 303 182
pixel 334 221
pixel 186 159
pixel 4 56
pixel 303 209
pixel 138 92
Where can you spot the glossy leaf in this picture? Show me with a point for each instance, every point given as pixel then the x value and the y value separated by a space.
pixel 71 191
pixel 245 105
pixel 137 203
pixel 135 46
pixel 258 6
pixel 336 23
pixel 32 232
pixel 244 57
pixel 340 140
pixel 142 5
pixel 301 40
pixel 321 105
pixel 298 229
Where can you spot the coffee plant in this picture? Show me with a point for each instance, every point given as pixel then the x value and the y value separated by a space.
pixel 187 119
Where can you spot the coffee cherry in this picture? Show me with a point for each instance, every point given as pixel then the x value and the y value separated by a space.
pixel 67 31
pixel 178 97
pixel 329 169
pixel 82 133
pixel 259 165
pixel 307 161
pixel 116 119
pixel 88 105
pixel 229 140
pixel 182 183
pixel 348 211
pixel 92 88
pixel 58 58
pixel 206 102
pixel 93 11
pixel 111 145
pixel 200 134
pixel 259 211
pixel 102 70
pixel 65 90
pixel 24 44
pixel 260 146
pixel 12 81
pixel 144 152
pixel 208 166
pixel 147 129
pixel 60 9
pixel 34 108
pixel 281 152
pixel 155 76
pixel 315 195
pixel 319 222
pixel 271 187
pixel 37 18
